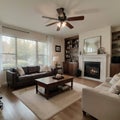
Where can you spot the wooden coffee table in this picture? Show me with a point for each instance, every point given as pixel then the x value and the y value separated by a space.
pixel 52 86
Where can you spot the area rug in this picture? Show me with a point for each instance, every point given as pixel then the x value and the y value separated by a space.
pixel 45 109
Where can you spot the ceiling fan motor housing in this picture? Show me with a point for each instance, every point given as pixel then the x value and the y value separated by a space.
pixel 61 14
pixel 61 18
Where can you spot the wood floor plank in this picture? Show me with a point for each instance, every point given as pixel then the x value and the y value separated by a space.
pixel 14 109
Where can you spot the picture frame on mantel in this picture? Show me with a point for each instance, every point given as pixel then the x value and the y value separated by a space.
pixel 91 45
pixel 57 48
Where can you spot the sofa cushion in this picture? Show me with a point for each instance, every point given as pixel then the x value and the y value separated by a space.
pixel 33 76
pixel 118 85
pixel 45 68
pixel 115 88
pixel 20 71
pixel 33 69
pixel 41 74
pixel 115 79
pixel 38 75
pixel 25 78
pixel 25 70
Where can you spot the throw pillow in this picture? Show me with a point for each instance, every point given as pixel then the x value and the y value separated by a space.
pixel 33 69
pixel 20 71
pixel 115 79
pixel 119 73
pixel 45 69
pixel 118 85
pixel 49 68
pixel 115 88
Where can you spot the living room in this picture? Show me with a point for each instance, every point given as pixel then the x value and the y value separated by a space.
pixel 29 36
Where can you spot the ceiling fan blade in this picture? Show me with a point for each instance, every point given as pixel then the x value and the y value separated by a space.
pixel 51 24
pixel 69 25
pixel 75 18
pixel 50 18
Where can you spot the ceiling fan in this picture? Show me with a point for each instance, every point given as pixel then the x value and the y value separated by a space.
pixel 62 19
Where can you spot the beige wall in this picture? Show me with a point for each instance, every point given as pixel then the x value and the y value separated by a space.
pixel 105 33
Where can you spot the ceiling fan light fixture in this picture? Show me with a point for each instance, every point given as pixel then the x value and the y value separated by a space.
pixel 59 24
pixel 63 24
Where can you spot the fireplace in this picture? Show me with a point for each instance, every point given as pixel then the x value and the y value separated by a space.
pixel 92 69
pixel 100 59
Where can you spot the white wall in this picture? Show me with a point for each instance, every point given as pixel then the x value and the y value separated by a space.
pixel 59 41
pixel 105 33
pixel 0 57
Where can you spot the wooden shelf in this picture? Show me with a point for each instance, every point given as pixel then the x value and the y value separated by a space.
pixel 71 48
pixel 114 69
pixel 70 68
pixel 116 43
pixel 70 65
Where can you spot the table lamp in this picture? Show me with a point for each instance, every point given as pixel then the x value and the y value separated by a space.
pixel 55 60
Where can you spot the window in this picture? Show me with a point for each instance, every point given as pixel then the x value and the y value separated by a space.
pixel 8 52
pixel 42 53
pixel 26 52
pixel 21 52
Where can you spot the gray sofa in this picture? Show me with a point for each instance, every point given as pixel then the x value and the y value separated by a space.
pixel 15 80
pixel 101 102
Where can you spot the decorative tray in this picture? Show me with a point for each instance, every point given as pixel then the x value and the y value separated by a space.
pixel 54 77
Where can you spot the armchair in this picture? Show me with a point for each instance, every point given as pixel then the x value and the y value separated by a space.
pixel 100 102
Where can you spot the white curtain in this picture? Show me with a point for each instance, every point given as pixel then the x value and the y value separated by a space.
pixel 1 68
pixel 2 71
pixel 50 40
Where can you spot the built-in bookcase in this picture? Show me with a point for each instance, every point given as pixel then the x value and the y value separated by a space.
pixel 71 49
pixel 70 65
pixel 116 43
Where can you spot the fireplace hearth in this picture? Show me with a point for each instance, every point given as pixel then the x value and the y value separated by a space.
pixel 92 69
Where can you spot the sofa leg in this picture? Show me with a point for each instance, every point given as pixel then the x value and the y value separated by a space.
pixel 84 113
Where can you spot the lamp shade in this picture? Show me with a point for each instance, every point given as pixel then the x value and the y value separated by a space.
pixel 55 58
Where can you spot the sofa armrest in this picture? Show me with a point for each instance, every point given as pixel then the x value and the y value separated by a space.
pixel 11 78
pixel 101 105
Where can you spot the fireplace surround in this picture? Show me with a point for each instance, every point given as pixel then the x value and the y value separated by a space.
pixel 101 59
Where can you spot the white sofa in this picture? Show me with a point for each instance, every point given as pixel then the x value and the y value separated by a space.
pixel 102 102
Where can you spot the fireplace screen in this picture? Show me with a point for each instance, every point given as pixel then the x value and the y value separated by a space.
pixel 92 69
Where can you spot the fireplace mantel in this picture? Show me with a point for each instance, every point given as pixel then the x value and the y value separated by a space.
pixel 102 58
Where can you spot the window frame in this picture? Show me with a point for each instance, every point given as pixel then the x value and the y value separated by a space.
pixel 37 55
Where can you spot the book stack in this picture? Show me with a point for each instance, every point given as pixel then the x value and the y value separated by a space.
pixel 63 87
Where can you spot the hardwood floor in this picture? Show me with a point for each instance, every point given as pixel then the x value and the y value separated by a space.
pixel 14 109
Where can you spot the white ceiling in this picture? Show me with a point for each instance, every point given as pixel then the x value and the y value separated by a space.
pixel 28 14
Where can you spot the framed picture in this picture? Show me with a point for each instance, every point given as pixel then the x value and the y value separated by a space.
pixel 91 45
pixel 57 48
